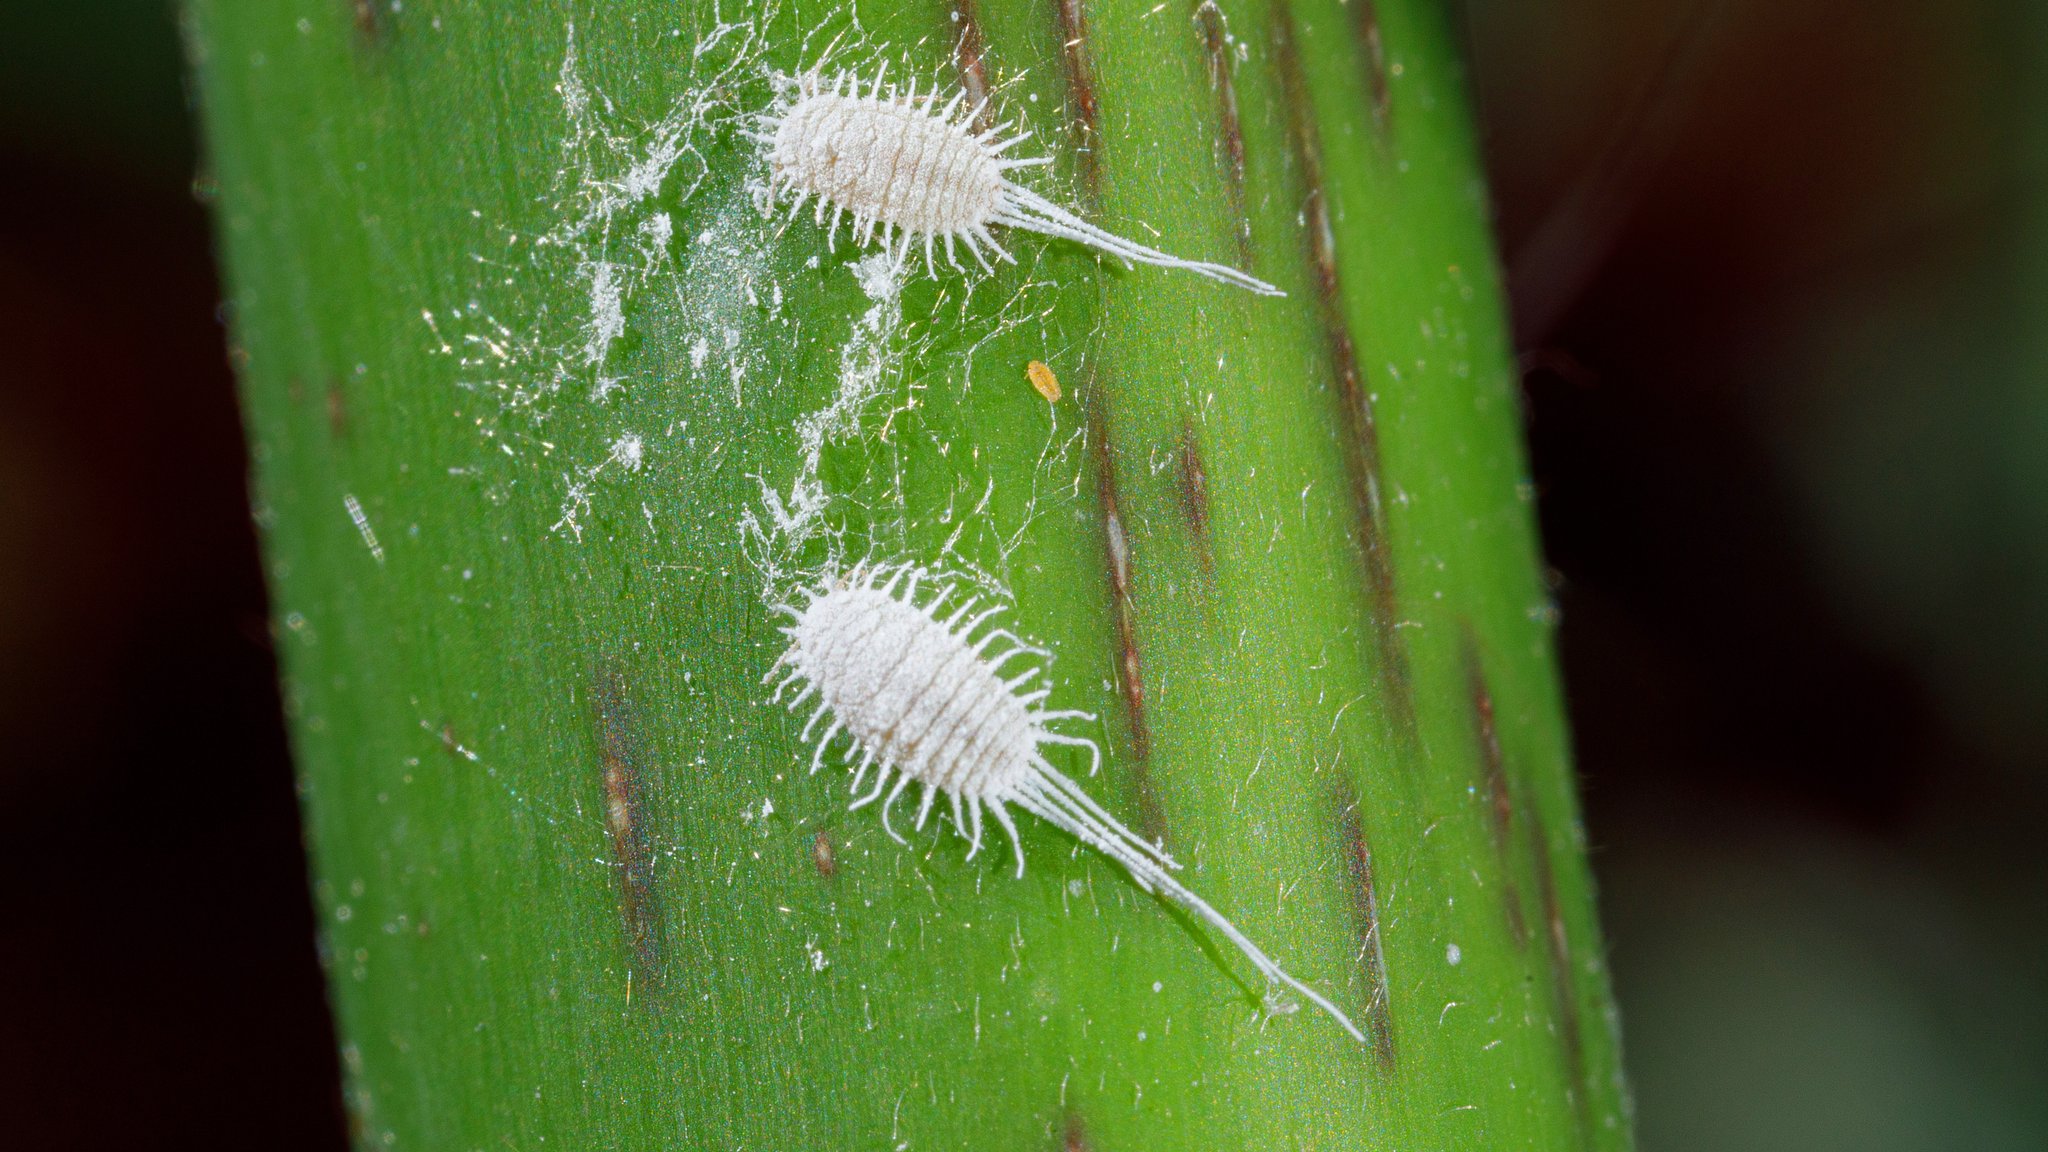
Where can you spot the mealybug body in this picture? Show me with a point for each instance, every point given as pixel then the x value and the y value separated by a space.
pixel 924 702
pixel 1041 378
pixel 894 159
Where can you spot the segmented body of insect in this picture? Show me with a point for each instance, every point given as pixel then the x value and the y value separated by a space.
pixel 1041 378
pixel 895 160
pixel 924 703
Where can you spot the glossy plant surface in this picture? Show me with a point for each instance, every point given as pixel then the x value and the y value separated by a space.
pixel 547 416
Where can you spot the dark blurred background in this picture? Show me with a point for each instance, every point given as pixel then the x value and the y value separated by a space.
pixel 1780 278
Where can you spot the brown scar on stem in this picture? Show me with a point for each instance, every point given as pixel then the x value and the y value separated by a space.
pixel 1130 665
pixel 1365 906
pixel 1074 1134
pixel 337 409
pixel 334 398
pixel 625 822
pixel 370 20
pixel 1222 64
pixel 1365 24
pixel 1361 443
pixel 1084 105
pixel 970 58
pixel 823 857
pixel 1500 802
pixel 1570 1029
pixel 1192 485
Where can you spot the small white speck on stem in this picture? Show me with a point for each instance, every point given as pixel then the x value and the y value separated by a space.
pixel 362 523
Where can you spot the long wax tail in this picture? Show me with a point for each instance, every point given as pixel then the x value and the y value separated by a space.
pixel 1051 797
pixel 1029 210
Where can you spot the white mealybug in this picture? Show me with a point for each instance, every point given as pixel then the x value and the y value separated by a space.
pixel 894 159
pixel 924 703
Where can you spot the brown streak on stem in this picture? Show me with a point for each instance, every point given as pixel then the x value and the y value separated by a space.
pixel 1365 24
pixel 1129 666
pixel 1362 449
pixel 1563 989
pixel 1365 905
pixel 337 410
pixel 1500 801
pixel 624 819
pixel 969 56
pixel 1193 487
pixel 1222 62
pixel 1084 106
pixel 368 16
pixel 1074 1134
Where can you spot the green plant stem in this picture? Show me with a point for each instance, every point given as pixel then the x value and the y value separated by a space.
pixel 528 380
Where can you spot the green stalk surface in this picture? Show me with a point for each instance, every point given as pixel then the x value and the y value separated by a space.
pixel 528 382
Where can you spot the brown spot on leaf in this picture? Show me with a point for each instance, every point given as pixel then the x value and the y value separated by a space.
pixel 622 763
pixel 1083 105
pixel 1130 664
pixel 1365 907
pixel 1354 401
pixel 1221 58
pixel 823 858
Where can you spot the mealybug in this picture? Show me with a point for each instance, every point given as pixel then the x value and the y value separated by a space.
pixel 893 159
pixel 923 701
pixel 1041 378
